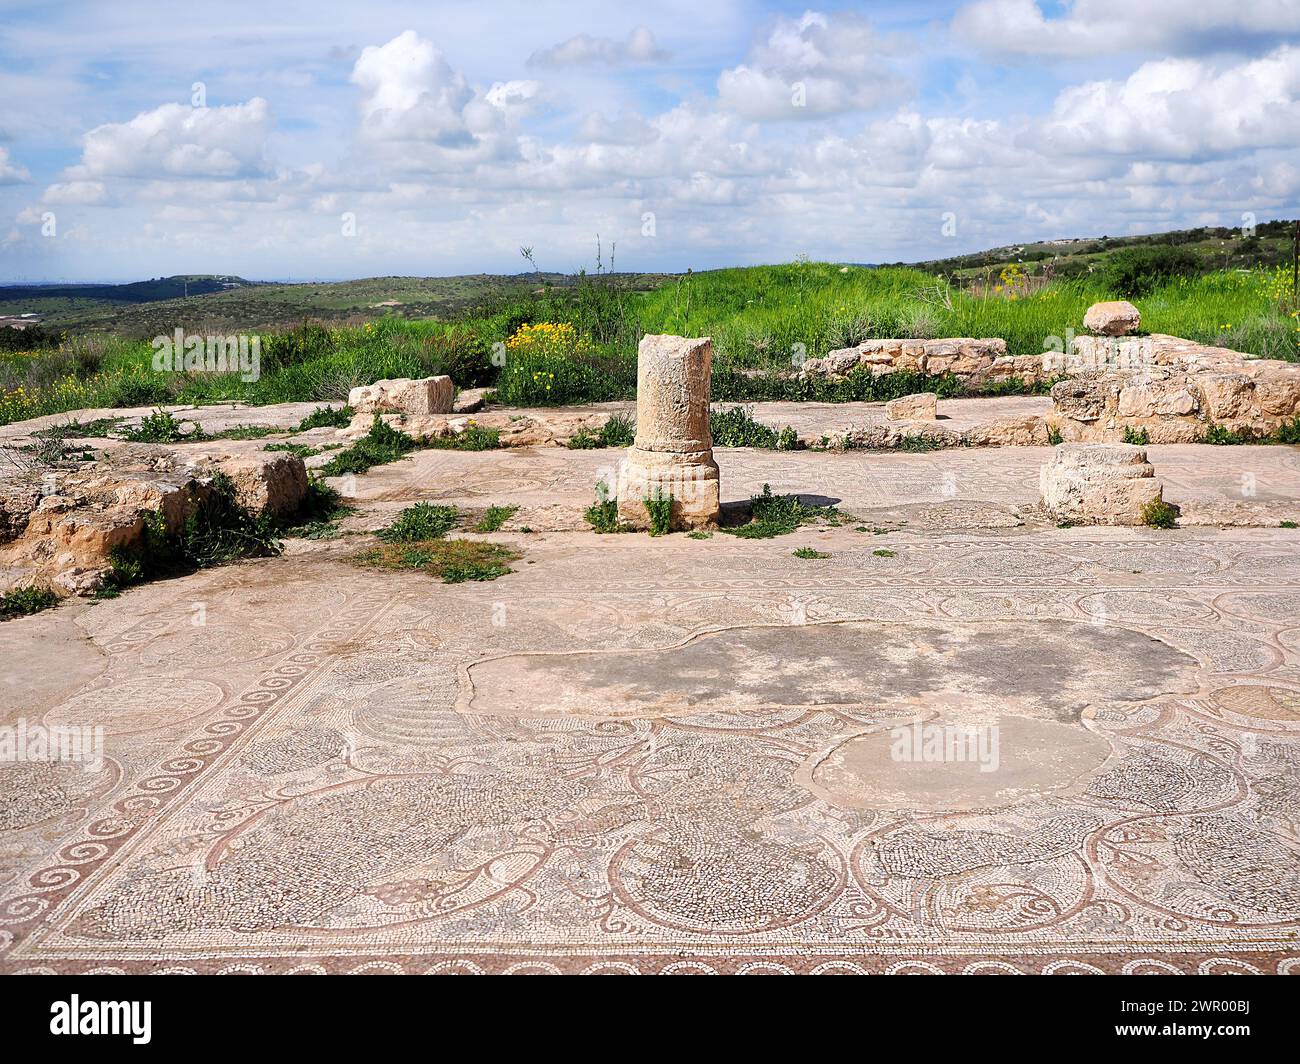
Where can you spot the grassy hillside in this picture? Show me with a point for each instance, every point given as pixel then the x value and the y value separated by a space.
pixel 576 342
pixel 1213 248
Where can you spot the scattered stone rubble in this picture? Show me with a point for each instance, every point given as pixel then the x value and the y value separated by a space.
pixel 973 362
pixel 1173 388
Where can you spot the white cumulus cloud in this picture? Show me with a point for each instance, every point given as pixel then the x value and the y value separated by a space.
pixel 586 50
pixel 1093 27
pixel 810 67
pixel 1182 108
pixel 179 141
pixel 10 172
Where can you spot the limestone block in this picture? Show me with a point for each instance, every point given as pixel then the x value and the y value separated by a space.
pixel 1083 399
pixel 1225 396
pixel 426 395
pixel 1099 483
pixel 1114 318
pixel 270 483
pixel 923 406
pixel 1155 394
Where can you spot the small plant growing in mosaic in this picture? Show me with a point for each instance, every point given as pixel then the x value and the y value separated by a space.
pixel 661 514
pixel 1160 514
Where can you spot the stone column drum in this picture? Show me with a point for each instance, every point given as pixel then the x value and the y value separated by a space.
pixel 1099 483
pixel 673 450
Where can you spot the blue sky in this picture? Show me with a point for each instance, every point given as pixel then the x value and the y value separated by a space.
pixel 331 140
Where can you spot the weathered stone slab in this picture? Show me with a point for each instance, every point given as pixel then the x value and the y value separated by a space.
pixel 923 406
pixel 426 395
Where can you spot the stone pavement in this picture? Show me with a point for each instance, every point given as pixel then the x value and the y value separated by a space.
pixel 641 754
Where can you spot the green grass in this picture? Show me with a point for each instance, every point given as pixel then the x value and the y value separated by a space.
pixel 24 601
pixel 618 431
pixel 885 553
pixel 381 445
pixel 919 444
pixel 298 450
pixel 809 553
pixel 423 521
pixel 471 438
pixel 326 417
pixel 451 560
pixel 778 515
pixel 494 517
pixel 1140 437
pixel 764 318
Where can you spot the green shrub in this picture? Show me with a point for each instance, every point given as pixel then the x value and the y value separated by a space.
pixel 494 517
pixel 161 427
pixel 1053 436
pixel 777 515
pixel 1222 437
pixel 24 601
pixel 1289 432
pixel 661 514
pixel 736 427
pixel 136 389
pixel 471 438
pixel 616 432
pixel 307 342
pixel 423 521
pixel 1132 273
pixel 219 530
pixel 808 552
pixel 1141 436
pixel 602 514
pixel 1160 514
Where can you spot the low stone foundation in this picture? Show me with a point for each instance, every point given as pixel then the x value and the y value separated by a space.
pixel 1250 397
pixel 973 362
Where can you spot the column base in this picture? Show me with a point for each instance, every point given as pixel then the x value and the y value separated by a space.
pixel 690 479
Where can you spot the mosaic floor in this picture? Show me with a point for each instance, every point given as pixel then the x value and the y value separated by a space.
pixel 669 755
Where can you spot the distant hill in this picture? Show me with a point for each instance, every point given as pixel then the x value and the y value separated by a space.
pixel 148 308
pixel 179 286
pixel 1219 248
